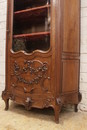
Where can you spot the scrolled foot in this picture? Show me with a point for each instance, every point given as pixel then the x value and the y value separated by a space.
pixel 5 97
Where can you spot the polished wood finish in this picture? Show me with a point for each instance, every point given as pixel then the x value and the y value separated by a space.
pixel 32 35
pixel 71 27
pixel 27 13
pixel 68 84
pixel 50 78
pixel 31 10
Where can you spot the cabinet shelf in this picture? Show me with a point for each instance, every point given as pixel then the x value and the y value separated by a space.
pixel 26 4
pixel 31 35
pixel 37 11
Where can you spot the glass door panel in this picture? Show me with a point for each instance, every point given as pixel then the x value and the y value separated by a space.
pixel 31 27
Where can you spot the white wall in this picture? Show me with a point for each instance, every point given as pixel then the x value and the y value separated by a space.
pixel 83 70
pixel 83 64
pixel 3 9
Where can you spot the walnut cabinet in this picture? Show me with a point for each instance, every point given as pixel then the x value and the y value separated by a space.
pixel 42 53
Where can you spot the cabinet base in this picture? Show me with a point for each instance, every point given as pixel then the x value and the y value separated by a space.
pixel 57 106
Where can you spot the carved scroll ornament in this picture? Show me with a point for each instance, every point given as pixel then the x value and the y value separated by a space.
pixel 39 73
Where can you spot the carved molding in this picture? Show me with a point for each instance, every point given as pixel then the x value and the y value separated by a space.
pixel 44 103
pixel 39 74
pixel 28 103
pixel 4 95
pixel 59 101
pixel 47 102
pixel 7 95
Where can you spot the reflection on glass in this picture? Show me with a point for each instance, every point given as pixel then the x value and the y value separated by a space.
pixel 37 22
pixel 31 45
pixel 26 4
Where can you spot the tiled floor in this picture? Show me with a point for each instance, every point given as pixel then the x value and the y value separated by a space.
pixel 17 118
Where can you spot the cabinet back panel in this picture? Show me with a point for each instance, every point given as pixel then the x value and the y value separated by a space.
pixel 33 26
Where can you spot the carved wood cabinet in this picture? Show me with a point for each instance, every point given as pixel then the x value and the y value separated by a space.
pixel 43 53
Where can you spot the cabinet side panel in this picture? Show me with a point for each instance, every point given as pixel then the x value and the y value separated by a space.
pixel 9 34
pixel 71 26
pixel 70 75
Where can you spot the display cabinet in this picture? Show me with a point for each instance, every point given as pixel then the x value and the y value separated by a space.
pixel 43 53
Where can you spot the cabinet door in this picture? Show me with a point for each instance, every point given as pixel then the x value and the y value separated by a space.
pixel 31 51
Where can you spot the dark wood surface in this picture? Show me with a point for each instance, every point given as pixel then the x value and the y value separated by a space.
pixel 43 79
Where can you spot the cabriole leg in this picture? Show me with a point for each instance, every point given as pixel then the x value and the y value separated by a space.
pixel 6 104
pixel 76 107
pixel 5 97
pixel 57 110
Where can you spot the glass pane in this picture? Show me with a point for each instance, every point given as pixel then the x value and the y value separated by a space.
pixel 31 45
pixel 37 22
pixel 25 4
pixel 31 22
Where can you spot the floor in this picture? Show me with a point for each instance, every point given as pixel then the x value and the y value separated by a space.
pixel 17 118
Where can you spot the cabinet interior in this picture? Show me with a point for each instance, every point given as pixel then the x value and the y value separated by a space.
pixel 30 45
pixel 31 17
pixel 26 4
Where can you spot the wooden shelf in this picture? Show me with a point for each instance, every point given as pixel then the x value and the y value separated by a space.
pixel 27 13
pixel 31 35
pixel 30 13
pixel 32 9
pixel 24 4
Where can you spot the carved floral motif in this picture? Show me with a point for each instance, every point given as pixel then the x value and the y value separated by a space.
pixel 38 74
